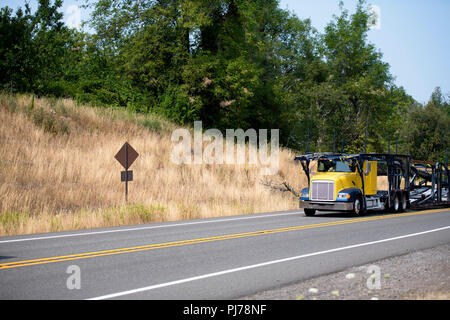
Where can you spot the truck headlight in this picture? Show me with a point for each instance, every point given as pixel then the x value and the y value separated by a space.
pixel 343 196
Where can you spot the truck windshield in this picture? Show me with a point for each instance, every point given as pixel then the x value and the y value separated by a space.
pixel 328 165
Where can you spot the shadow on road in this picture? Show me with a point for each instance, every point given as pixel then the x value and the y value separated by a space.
pixel 340 214
pixel 6 257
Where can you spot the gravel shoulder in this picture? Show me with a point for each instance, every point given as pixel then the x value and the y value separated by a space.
pixel 420 275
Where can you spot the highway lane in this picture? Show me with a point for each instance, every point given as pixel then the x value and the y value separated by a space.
pixel 220 258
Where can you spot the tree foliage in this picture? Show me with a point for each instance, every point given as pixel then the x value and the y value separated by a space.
pixel 427 134
pixel 230 63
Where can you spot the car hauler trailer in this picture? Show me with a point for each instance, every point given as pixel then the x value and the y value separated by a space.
pixel 429 184
pixel 346 182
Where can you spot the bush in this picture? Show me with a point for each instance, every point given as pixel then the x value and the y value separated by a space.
pixel 151 124
pixel 49 121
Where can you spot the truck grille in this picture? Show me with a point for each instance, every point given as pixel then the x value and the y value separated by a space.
pixel 322 190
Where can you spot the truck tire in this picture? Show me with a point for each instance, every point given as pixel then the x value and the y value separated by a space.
pixel 397 203
pixel 357 205
pixel 310 212
pixel 404 202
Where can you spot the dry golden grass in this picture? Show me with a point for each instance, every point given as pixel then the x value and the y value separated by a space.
pixel 58 172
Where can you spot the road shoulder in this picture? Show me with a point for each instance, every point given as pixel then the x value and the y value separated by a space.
pixel 423 274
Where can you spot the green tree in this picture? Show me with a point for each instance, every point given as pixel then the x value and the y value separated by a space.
pixel 32 46
pixel 352 90
pixel 229 63
pixel 427 128
pixel 17 58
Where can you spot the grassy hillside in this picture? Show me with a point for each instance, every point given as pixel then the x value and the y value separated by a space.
pixel 58 172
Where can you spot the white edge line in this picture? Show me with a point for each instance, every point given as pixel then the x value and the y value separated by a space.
pixel 209 275
pixel 147 228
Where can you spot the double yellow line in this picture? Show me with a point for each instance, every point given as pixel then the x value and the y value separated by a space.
pixel 94 254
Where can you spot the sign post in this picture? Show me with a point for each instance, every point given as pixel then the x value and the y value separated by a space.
pixel 126 156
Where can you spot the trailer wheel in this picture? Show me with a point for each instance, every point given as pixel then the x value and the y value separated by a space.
pixel 310 212
pixel 404 204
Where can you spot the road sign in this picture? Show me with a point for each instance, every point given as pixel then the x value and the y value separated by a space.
pixel 126 175
pixel 126 156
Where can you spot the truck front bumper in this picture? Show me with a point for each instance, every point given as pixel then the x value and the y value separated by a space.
pixel 326 205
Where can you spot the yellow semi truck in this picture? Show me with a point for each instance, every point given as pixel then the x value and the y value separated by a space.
pixel 349 183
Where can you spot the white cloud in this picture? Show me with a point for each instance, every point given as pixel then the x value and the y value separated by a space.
pixel 73 13
pixel 375 20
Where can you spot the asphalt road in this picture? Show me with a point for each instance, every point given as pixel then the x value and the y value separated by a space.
pixel 220 258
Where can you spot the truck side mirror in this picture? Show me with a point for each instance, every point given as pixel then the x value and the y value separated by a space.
pixel 367 171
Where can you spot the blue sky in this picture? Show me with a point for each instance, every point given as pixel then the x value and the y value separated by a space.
pixel 413 36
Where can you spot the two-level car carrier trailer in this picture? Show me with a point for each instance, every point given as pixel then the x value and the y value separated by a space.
pixel 346 182
pixel 429 184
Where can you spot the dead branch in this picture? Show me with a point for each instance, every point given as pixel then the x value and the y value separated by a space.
pixel 283 187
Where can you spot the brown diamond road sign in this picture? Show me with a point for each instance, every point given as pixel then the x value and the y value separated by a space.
pixel 126 155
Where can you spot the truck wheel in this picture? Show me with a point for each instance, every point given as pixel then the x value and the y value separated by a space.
pixel 357 207
pixel 404 204
pixel 310 212
pixel 396 206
